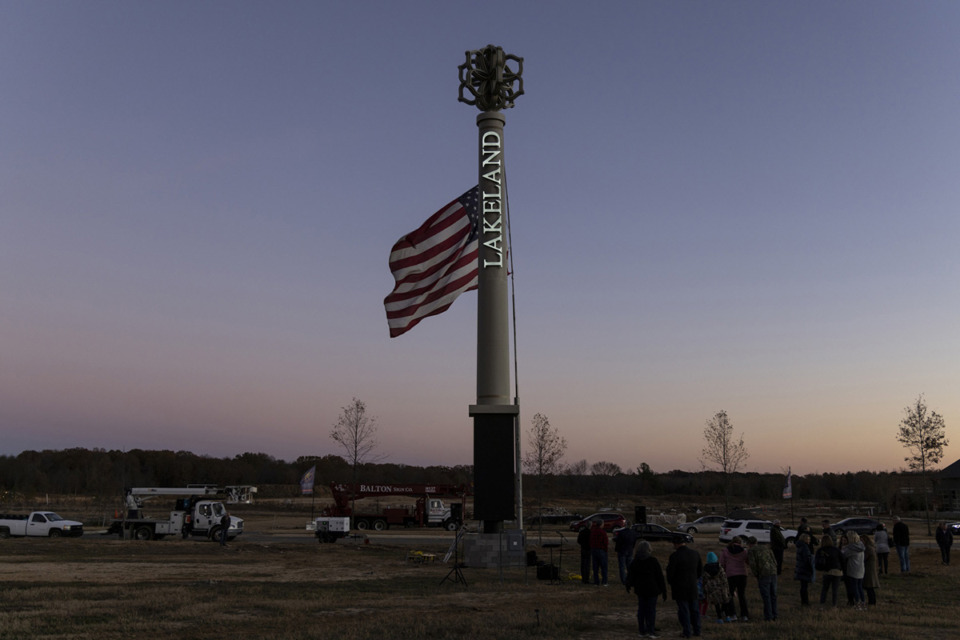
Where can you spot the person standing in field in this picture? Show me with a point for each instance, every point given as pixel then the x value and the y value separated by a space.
pixel 777 544
pixel 871 580
pixel 224 528
pixel 733 559
pixel 684 569
pixel 716 589
pixel 853 559
pixel 882 542
pixel 645 577
pixel 829 563
pixel 901 540
pixel 583 539
pixel 944 541
pixel 827 530
pixel 803 570
pixel 764 567
pixel 599 543
pixel 624 540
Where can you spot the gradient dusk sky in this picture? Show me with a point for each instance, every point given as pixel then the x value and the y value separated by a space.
pixel 748 206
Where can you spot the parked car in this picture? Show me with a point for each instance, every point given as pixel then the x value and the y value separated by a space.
pixel 860 525
pixel 706 524
pixel 610 520
pixel 954 527
pixel 654 532
pixel 759 529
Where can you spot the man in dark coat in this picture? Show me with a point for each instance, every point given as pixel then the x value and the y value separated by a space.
pixel 944 541
pixel 624 540
pixel 583 539
pixel 684 569
pixel 224 528
pixel 777 545
pixel 901 540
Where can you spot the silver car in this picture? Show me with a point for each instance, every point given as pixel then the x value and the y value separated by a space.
pixel 706 524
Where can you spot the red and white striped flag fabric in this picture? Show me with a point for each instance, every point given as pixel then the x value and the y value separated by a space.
pixel 434 264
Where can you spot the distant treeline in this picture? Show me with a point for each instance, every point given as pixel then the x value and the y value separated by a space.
pixel 98 472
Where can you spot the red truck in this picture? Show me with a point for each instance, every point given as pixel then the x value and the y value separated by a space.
pixel 427 510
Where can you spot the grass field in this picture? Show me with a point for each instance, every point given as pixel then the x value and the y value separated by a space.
pixel 106 588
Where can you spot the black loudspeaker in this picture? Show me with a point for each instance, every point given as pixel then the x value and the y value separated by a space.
pixel 493 467
pixel 639 514
pixel 531 558
pixel 456 512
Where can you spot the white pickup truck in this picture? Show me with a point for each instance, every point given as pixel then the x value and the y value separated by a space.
pixel 43 524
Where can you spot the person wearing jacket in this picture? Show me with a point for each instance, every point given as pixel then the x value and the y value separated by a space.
pixel 716 589
pixel 803 570
pixel 871 581
pixel 828 561
pixel 853 561
pixel 599 543
pixel 944 541
pixel 777 544
pixel 882 542
pixel 624 540
pixel 645 577
pixel 684 570
pixel 901 540
pixel 583 540
pixel 733 559
pixel 764 567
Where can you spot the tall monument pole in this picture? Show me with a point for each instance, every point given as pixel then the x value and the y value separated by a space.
pixel 492 85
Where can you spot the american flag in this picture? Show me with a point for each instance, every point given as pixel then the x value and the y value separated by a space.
pixel 434 264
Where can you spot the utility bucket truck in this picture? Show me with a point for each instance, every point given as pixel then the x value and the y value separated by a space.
pixel 423 508
pixel 195 513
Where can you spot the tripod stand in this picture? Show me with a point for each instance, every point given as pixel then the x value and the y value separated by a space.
pixel 455 550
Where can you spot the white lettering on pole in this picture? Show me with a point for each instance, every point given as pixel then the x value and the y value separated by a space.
pixel 492 191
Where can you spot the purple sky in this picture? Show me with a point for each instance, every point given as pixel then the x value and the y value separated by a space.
pixel 748 206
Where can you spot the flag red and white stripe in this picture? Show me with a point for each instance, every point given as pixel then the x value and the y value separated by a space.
pixel 434 264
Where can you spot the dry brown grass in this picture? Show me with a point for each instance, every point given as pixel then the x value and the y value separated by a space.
pixel 106 589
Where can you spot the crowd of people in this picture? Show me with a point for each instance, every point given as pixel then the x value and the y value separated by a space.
pixel 719 586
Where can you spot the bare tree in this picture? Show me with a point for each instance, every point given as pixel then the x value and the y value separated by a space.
pixel 546 449
pixel 578 468
pixel 604 468
pixel 923 434
pixel 355 432
pixel 723 450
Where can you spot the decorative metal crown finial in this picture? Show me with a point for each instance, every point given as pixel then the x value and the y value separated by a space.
pixel 489 80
